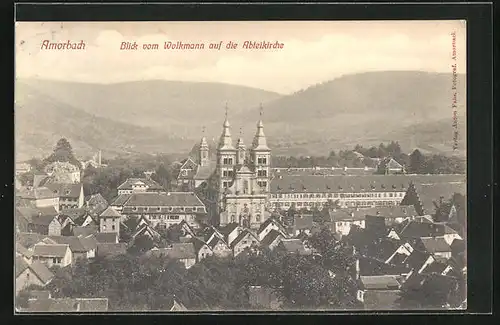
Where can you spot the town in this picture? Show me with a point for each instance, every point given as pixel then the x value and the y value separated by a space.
pixel 233 227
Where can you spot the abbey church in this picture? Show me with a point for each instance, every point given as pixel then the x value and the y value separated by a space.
pixel 235 185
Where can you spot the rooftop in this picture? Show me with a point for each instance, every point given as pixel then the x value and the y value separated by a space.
pixel 50 250
pixel 379 282
pixel 354 183
pixel 130 183
pixel 72 191
pixel 164 199
pixel 176 251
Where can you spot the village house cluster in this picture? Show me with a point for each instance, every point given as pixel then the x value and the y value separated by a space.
pixel 232 200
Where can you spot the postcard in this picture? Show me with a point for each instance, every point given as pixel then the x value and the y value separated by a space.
pixel 240 166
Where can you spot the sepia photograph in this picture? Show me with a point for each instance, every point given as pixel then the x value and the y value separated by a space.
pixel 219 166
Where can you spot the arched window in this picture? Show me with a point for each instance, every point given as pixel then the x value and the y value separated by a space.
pixel 257 218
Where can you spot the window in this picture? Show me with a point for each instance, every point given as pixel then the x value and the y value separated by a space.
pixel 262 161
pixel 113 227
pixel 104 227
pixel 134 208
pixel 184 172
pixel 27 276
pixel 257 218
pixel 158 209
pixel 262 173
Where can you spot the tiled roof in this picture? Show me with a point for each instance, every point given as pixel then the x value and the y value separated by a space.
pixel 270 238
pixel 229 228
pixel 111 249
pixel 50 250
pixel 435 245
pixel 73 242
pixel 72 191
pixel 176 251
pixel 20 265
pixel 37 194
pixel 335 171
pixel 42 271
pixel 29 213
pixel 29 240
pixel 106 237
pixel 430 193
pixel 110 213
pixel 392 211
pixel 128 184
pixel 74 213
pixel 204 172
pixel 349 184
pixel 415 229
pixel 89 242
pixel 379 282
pixel 198 243
pixel 244 234
pixel 383 249
pixel 85 231
pixel 120 200
pixel 68 305
pixel 95 199
pixel 81 219
pixel 178 199
pixel 20 249
pixel 43 220
pixel 371 266
pixel 346 215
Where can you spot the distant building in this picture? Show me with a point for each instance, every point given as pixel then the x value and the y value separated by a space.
pixel 28 274
pixel 96 204
pixel 109 221
pixel 390 166
pixel 139 185
pixel 63 172
pixel 183 252
pixel 165 209
pixel 70 195
pixel 379 292
pixel 313 191
pixel 52 254
pixel 41 197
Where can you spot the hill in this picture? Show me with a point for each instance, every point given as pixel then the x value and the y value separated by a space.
pixel 411 107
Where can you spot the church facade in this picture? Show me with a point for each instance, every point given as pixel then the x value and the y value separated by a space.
pixel 237 189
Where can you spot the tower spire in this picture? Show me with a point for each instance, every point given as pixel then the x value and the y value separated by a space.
pixel 259 141
pixel 225 140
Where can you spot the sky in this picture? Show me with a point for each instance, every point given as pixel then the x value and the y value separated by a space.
pixel 313 51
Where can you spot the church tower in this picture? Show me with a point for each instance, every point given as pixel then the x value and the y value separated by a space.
pixel 241 148
pixel 261 156
pixel 203 154
pixel 226 160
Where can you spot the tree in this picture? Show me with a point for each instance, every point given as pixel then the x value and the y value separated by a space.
pixel 163 176
pixel 417 162
pixel 63 152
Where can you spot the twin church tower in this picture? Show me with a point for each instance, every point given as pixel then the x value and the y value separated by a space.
pixel 239 185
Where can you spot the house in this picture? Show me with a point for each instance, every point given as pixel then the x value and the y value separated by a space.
pixel 436 246
pixel 183 252
pixel 219 247
pixel 70 195
pixel 201 248
pixel 63 172
pixel 378 292
pixel 378 219
pixel 417 229
pixel 86 219
pixel 40 197
pixel 342 220
pixel 262 298
pixel 68 305
pixel 166 209
pixel 187 172
pixel 81 247
pixel 389 166
pixel 272 239
pixel 245 239
pixel 34 273
pixel 24 217
pixel 139 185
pixel 96 204
pixel 110 249
pixel 109 221
pixel 294 246
pixel 146 230
pixel 270 224
pixel 45 225
pixel 77 215
pixel 53 254
pixel 230 232
pixel 67 225
pixel 28 240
